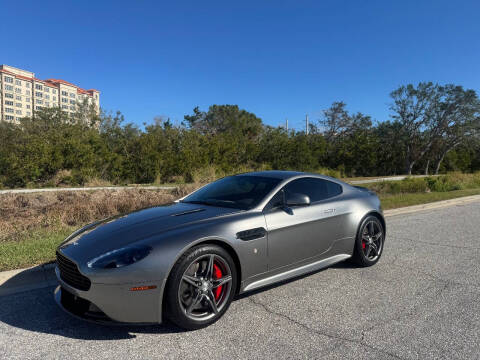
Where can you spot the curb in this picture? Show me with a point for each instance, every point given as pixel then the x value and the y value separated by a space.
pixel 28 191
pixel 40 276
pixel 431 206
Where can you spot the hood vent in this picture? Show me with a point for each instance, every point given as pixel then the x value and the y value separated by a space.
pixel 189 212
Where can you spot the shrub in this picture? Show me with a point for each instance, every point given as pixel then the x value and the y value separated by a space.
pixel 408 185
pixel 329 172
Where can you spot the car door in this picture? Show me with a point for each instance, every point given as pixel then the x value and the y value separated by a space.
pixel 303 232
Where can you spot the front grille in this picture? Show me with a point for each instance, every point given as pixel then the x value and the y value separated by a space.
pixel 70 274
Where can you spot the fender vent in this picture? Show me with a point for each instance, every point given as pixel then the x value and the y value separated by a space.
pixel 251 234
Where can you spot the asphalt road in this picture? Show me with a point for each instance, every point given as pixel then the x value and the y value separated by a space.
pixel 421 301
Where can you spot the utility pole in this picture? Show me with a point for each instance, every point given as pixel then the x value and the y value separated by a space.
pixel 286 125
pixel 306 124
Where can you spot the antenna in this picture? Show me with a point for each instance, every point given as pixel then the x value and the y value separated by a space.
pixel 286 125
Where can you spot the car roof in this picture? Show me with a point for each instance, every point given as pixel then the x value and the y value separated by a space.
pixel 277 174
pixel 283 175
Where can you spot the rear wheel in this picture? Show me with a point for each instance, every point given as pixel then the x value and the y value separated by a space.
pixel 201 287
pixel 369 242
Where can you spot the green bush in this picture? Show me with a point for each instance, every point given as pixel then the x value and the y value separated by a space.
pixel 406 186
pixel 329 172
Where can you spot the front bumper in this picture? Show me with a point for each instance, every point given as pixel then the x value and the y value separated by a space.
pixel 106 303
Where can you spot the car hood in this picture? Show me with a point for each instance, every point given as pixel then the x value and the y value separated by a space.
pixel 113 233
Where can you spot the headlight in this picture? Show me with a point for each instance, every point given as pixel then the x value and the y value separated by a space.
pixel 120 257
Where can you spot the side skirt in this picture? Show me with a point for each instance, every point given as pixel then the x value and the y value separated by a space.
pixel 302 270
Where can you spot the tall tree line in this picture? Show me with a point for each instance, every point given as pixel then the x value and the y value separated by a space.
pixel 433 128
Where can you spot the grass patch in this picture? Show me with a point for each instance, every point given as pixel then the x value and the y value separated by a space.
pixel 393 201
pixel 35 247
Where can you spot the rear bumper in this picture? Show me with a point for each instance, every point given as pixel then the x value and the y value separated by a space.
pixel 105 303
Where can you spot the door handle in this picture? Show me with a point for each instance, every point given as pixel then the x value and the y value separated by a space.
pixel 329 211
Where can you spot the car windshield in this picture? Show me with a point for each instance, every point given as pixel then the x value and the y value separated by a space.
pixel 239 192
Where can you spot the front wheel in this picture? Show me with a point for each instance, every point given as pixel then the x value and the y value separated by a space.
pixel 201 287
pixel 369 242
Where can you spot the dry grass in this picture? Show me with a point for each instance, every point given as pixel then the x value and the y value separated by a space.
pixel 21 213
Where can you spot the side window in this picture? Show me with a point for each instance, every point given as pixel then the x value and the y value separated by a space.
pixel 316 189
pixel 276 201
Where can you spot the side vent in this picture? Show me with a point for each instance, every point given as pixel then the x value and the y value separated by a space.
pixel 251 234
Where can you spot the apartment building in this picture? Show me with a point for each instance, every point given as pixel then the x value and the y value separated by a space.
pixel 21 93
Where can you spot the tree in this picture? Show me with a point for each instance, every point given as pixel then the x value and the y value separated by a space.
pixel 413 107
pixel 350 139
pixel 225 119
pixel 457 117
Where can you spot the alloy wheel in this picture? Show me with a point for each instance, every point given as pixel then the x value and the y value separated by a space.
pixel 205 287
pixel 372 240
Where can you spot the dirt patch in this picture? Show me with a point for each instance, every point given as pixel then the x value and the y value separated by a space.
pixel 26 212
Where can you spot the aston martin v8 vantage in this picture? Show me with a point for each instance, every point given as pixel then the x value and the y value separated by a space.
pixel 187 260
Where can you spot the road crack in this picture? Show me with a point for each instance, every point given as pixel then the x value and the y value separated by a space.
pixel 322 333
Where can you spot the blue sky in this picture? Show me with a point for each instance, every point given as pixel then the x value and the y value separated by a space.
pixel 278 59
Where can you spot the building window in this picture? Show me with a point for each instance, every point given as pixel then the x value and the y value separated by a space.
pixel 9 117
pixel 54 98
pixel 27 92
pixel 72 95
pixel 54 91
pixel 38 107
pixel 72 107
pixel 27 84
pixel 72 102
pixel 39 94
pixel 9 110
pixel 9 103
pixel 27 99
pixel 28 113
pixel 64 93
pixel 10 96
pixel 18 112
pixel 46 89
pixel 47 97
pixel 65 100
pixel 39 101
pixel 38 87
pixel 18 90
pixel 18 104
pixel 28 106
pixel 18 82
pixel 19 98
pixel 8 79
pixel 64 107
pixel 9 87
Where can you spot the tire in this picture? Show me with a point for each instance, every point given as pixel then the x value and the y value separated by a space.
pixel 194 299
pixel 369 242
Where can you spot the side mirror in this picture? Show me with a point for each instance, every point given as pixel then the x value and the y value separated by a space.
pixel 296 199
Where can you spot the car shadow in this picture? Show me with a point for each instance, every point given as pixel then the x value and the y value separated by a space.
pixel 340 265
pixel 36 310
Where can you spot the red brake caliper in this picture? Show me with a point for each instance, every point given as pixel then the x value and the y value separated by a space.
pixel 217 274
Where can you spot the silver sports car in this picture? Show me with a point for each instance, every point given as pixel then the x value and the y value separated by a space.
pixel 187 260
